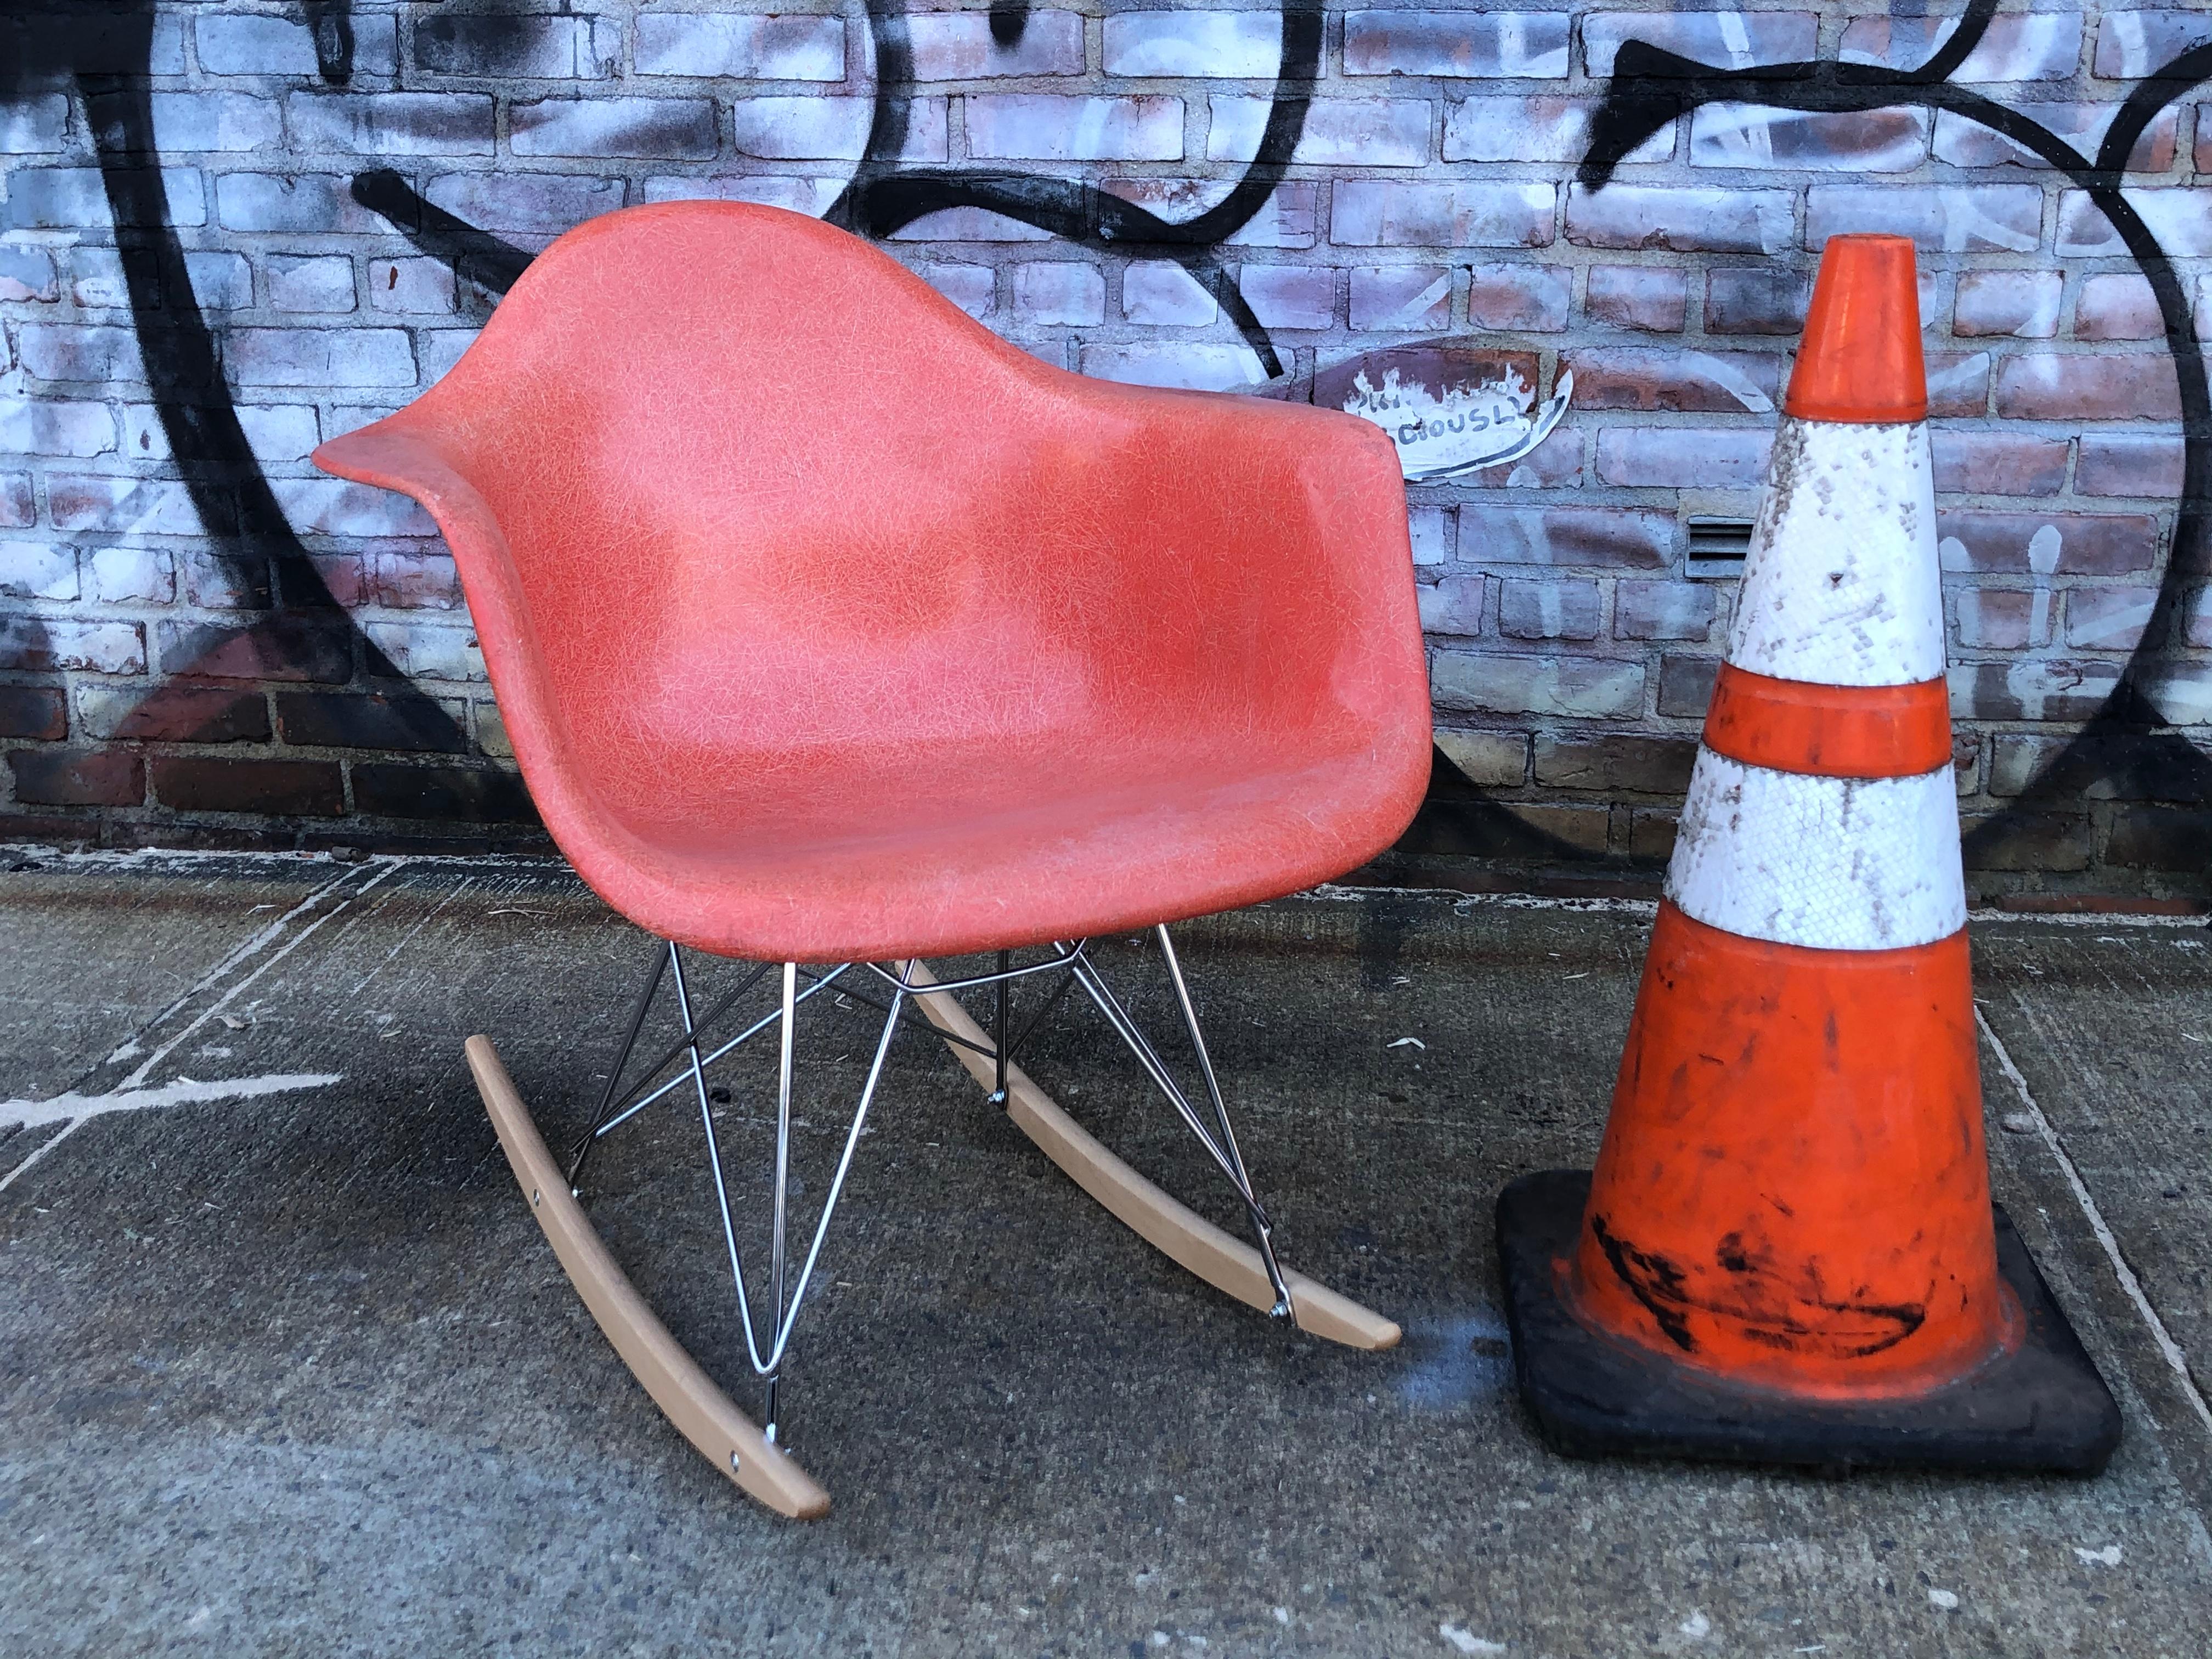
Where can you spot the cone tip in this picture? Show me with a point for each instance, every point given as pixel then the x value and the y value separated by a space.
pixel 1860 360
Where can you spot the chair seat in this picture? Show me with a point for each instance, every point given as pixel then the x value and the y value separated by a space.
pixel 878 859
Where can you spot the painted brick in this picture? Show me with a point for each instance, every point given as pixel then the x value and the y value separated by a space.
pixel 54 426
pixel 241 42
pixel 674 129
pixel 198 783
pixel 1236 45
pixel 2014 46
pixel 221 282
pixel 274 432
pixel 353 719
pixel 2117 306
pixel 1059 291
pixel 2181 692
pixel 2052 842
pixel 1401 297
pixel 1727 39
pixel 32 126
pixel 974 288
pixel 2180 219
pixel 415 285
pixel 311 204
pixel 33 711
pixel 1555 463
pixel 2021 303
pixel 1466 45
pixel 1595 536
pixel 1759 300
pixel 1160 292
pixel 130 505
pixel 1492 760
pixel 1685 685
pixel 1286 220
pixel 333 507
pixel 391 123
pixel 35 570
pixel 2156 838
pixel 1649 766
pixel 1373 213
pixel 65 198
pixel 832 128
pixel 1430 529
pixel 28 273
pixel 173 713
pixel 748 48
pixel 1687 220
pixel 2037 688
pixel 1575 687
pixel 1941 219
pixel 959 46
pixel 17 505
pixel 1958 383
pixel 1964 142
pixel 122 575
pixel 1549 610
pixel 1505 128
pixel 60 351
pixel 1651 297
pixel 2003 618
pixel 1683 457
pixel 2108 618
pixel 309 283
pixel 1380 132
pixel 1757 135
pixel 402 580
pixel 2129 464
pixel 214 583
pixel 1039 126
pixel 2128 766
pixel 541 47
pixel 2085 385
pixel 1664 610
pixel 810 197
pixel 65 777
pixel 184 121
pixel 1194 367
pixel 2198 628
pixel 2132 44
pixel 434 650
pixel 320 357
pixel 39 645
pixel 544 203
pixel 1289 296
pixel 2070 543
pixel 1454 606
pixel 99 277
pixel 1532 299
pixel 1642 377
pixel 1998 463
pixel 453 793
pixel 284 646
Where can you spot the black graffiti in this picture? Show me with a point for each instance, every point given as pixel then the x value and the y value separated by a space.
pixel 106 60
pixel 2121 742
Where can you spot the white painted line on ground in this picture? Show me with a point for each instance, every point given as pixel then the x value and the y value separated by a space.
pixel 2174 1356
pixel 30 1114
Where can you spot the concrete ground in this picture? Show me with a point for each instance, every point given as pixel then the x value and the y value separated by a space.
pixel 287 1367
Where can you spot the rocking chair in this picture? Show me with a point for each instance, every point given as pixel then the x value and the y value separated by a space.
pixel 833 632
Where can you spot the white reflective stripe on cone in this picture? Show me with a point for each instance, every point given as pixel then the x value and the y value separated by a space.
pixel 1841 586
pixel 1838 864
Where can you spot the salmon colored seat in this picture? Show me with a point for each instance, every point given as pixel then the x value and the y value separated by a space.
pixel 830 628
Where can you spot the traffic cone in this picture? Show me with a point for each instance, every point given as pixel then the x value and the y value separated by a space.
pixel 1788 1252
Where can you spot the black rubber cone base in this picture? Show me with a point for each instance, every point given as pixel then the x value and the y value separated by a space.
pixel 2041 1407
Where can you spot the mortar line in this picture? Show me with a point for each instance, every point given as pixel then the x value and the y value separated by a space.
pixel 2174 1356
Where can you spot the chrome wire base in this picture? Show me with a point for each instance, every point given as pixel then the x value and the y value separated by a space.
pixel 769 1310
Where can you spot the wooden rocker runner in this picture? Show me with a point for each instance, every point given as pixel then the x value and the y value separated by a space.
pixel 834 634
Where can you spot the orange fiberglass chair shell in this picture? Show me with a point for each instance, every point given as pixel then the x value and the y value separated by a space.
pixel 829 628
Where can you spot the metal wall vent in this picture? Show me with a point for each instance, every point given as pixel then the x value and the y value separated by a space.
pixel 1718 548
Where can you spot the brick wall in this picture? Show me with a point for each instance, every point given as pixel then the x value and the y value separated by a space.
pixel 308 209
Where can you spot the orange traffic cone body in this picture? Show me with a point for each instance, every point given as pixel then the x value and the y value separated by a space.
pixel 1787 1251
